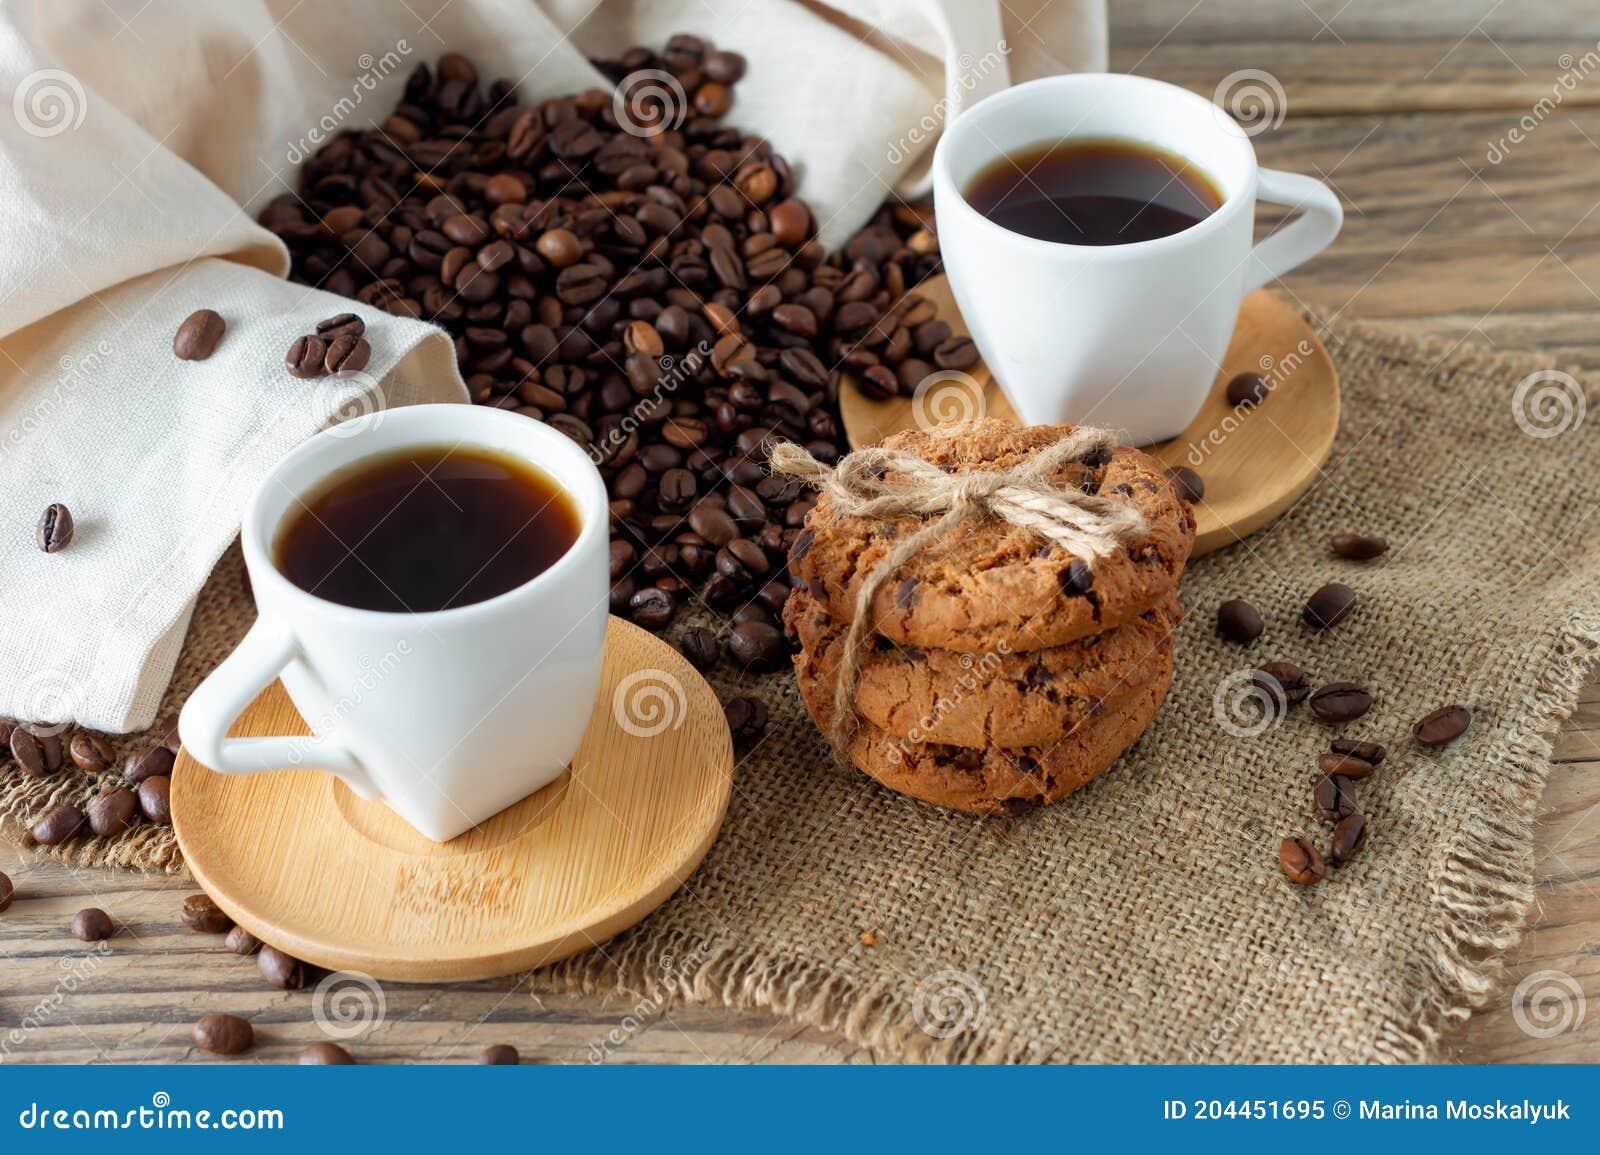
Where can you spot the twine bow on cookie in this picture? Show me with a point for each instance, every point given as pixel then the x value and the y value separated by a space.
pixel 879 484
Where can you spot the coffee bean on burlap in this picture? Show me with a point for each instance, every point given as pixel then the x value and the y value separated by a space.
pixel 54 531
pixel 1334 797
pixel 747 719
pixel 757 646
pixel 1443 726
pixel 166 729
pixel 92 753
pixel 651 608
pixel 200 913
pixel 241 941
pixel 700 645
pixel 1347 765
pixel 1340 702
pixel 1329 606
pixel 58 825
pixel 155 799
pixel 1283 678
pixel 223 1034
pixel 1369 752
pixel 147 762
pixel 37 753
pixel 499 1055
pixel 196 339
pixel 1239 621
pixel 1357 546
pixel 92 925
pixel 1302 863
pixel 324 1054
pixel 112 811
pixel 1349 836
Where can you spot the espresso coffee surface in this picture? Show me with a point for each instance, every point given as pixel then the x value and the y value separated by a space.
pixel 426 529
pixel 1093 192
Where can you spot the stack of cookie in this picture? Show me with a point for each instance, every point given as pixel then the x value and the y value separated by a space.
pixel 1003 672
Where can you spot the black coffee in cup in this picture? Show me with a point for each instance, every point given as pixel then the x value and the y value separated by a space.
pixel 426 529
pixel 1093 192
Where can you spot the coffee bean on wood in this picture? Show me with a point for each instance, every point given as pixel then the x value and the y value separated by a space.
pixel 283 971
pixel 241 941
pixel 499 1055
pixel 324 1054
pixel 1340 702
pixel 223 1034
pixel 1190 486
pixel 196 339
pixel 92 925
pixel 54 531
pixel 1239 621
pixel 1302 862
pixel 200 913
pixel 1330 605
pixel 8 891
pixel 1443 726
pixel 1247 390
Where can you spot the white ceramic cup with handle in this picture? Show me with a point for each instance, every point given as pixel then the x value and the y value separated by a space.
pixel 1131 336
pixel 448 716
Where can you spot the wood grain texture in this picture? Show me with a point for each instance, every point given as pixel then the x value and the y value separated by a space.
pixel 1398 115
pixel 1255 463
pixel 561 871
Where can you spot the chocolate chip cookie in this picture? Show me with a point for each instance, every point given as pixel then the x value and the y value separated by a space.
pixel 996 698
pixel 994 583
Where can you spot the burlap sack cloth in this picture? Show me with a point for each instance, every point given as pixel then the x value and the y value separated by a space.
pixel 1145 918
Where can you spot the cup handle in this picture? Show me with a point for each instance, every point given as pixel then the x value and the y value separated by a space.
pixel 1300 240
pixel 221 698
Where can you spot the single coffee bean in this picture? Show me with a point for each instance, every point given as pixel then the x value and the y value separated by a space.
pixel 1302 863
pixel 701 647
pixel 1443 726
pixel 1247 390
pixel 757 646
pixel 92 925
pixel 7 892
pixel 1329 606
pixel 305 357
pixel 1190 486
pixel 283 971
pixel 341 325
pixel 241 941
pixel 32 751
pixel 1358 546
pixel 1239 621
pixel 1340 702
pixel 166 730
pixel 201 914
pixel 57 826
pixel 1346 765
pixel 196 339
pixel 1369 752
pixel 1334 797
pixel 1349 836
pixel 112 811
pixel 1284 678
pixel 55 528
pixel 347 354
pixel 92 753
pixel 499 1055
pixel 223 1034
pixel 747 720
pixel 651 608
pixel 147 762
pixel 324 1054
pixel 155 799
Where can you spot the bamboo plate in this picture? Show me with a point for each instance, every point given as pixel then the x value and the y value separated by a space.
pixel 1255 463
pixel 302 863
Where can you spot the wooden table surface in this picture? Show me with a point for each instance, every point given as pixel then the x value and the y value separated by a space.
pixel 1400 107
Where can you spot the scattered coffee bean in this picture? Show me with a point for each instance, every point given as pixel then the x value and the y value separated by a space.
pixel 1344 764
pixel 499 1055
pixel 57 826
pixel 55 527
pixel 1239 621
pixel 241 941
pixel 166 729
pixel 347 354
pixel 1358 546
pixel 1329 606
pixel 324 1055
pixel 147 762
pixel 1334 797
pixel 305 357
pixel 747 720
pixel 1284 678
pixel 201 914
pixel 8 891
pixel 1301 862
pixel 223 1034
pixel 1191 487
pixel 757 646
pixel 651 608
pixel 92 753
pixel 36 753
pixel 701 647
pixel 92 925
pixel 112 811
pixel 283 971
pixel 1340 702
pixel 1369 752
pixel 1247 390
pixel 341 325
pixel 155 799
pixel 1443 726
pixel 1349 836
pixel 196 339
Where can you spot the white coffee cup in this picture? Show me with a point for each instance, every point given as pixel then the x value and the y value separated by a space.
pixel 450 716
pixel 1129 337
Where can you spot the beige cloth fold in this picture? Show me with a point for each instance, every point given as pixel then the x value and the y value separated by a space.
pixel 142 137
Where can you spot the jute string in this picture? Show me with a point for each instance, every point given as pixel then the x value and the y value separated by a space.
pixel 884 484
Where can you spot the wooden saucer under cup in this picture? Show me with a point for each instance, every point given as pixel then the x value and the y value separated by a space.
pixel 303 864
pixel 1255 462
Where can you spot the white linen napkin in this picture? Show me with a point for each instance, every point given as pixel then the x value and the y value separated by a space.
pixel 137 140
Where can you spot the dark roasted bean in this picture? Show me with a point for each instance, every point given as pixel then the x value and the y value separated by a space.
pixel 1329 606
pixel 241 941
pixel 54 532
pixel 281 970
pixel 223 1035
pixel 1349 836
pixel 1247 390
pixel 196 339
pixel 499 1055
pixel 305 357
pixel 1358 546
pixel 112 811
pixel 1347 765
pixel 1302 863
pixel 700 646
pixel 200 913
pixel 1239 621
pixel 91 752
pixel 1340 702
pixel 747 720
pixel 1188 484
pixel 58 825
pixel 757 646
pixel 324 1054
pixel 92 924
pixel 147 762
pixel 1369 752
pixel 155 799
pixel 1335 797
pixel 1443 726
pixel 1283 678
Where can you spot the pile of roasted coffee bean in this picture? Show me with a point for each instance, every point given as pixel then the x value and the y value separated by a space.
pixel 143 788
pixel 643 277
